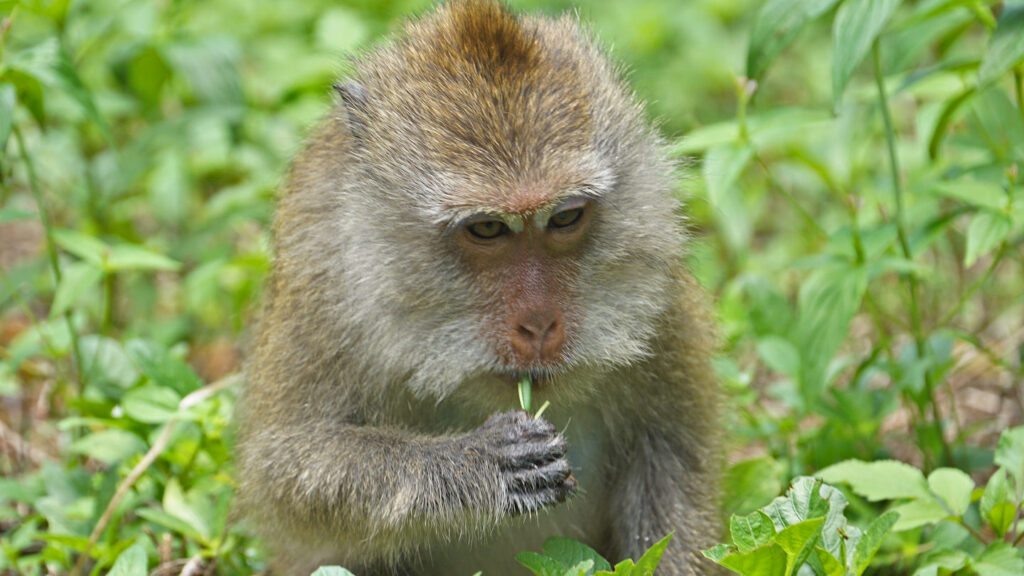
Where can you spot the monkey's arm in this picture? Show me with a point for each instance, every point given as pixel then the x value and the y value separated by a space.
pixel 339 483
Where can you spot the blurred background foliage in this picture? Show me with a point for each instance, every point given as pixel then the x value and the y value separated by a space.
pixel 141 143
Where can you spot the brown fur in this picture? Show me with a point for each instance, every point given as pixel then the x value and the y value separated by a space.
pixel 362 434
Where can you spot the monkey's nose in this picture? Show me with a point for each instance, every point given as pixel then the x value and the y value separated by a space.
pixel 538 335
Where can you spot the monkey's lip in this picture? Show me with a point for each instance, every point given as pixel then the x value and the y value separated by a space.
pixel 537 377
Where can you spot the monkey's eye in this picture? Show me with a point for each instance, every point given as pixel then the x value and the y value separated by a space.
pixel 487 229
pixel 565 218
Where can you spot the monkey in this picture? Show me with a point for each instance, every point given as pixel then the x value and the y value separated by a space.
pixel 485 201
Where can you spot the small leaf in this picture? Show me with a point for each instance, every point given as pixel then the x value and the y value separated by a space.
pixel 131 562
pixel 872 540
pixel 880 480
pixel 856 27
pixel 540 565
pixel 780 355
pixel 751 531
pixel 954 487
pixel 1010 455
pixel 798 541
pixel 109 446
pixel 151 404
pixel 987 230
pixel 85 247
pixel 649 561
pixel 776 26
pixel 919 513
pixel 829 564
pixel 974 192
pixel 8 97
pixel 1006 48
pixel 162 368
pixel 999 559
pixel 78 279
pixel 570 553
pixel 751 484
pixel 765 561
pixel 132 257
pixel 176 505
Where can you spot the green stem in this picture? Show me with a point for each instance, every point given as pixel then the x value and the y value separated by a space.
pixel 974 287
pixel 1018 85
pixel 51 246
pixel 807 217
pixel 901 233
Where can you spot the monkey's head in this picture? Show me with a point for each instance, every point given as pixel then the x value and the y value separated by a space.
pixel 495 205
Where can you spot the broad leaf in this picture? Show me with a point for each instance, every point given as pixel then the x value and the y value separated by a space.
pixel 872 540
pixel 987 230
pixel 131 562
pixel 881 480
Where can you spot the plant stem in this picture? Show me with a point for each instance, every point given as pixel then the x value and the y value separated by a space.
pixel 901 233
pixel 51 246
pixel 1018 90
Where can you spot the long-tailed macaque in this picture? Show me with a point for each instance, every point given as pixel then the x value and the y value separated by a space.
pixel 485 202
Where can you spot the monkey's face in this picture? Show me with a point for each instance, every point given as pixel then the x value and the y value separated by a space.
pixel 504 209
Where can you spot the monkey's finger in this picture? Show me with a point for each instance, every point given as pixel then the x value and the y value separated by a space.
pixel 534 478
pixel 518 455
pixel 529 502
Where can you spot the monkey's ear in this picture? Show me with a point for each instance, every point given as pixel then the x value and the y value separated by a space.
pixel 354 97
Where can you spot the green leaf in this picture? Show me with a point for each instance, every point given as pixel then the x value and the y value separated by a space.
pixel 162 368
pixel 85 247
pixel 162 518
pixel 872 540
pixel 582 569
pixel 776 26
pixel 999 559
pixel 109 446
pixel 722 168
pixel 1001 516
pixel 151 404
pixel 8 97
pixel 751 531
pixel 826 305
pixel 974 192
pixel 104 360
pixel 1010 455
pixel 131 562
pixel 829 564
pixel 880 480
pixel 331 571
pixel 78 279
pixel 132 257
pixel 954 488
pixel 765 561
pixel 1006 48
pixel 540 565
pixel 997 492
pixel 949 112
pixel 987 230
pixel 798 541
pixel 917 513
pixel 780 355
pixel 570 553
pixel 649 561
pixel 856 27
pixel 751 484
pixel 175 504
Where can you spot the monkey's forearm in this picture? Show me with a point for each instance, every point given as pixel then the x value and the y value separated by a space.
pixel 355 480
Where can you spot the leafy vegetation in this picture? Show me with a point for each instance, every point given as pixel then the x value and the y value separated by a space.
pixel 857 209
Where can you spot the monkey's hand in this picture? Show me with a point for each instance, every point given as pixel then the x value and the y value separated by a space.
pixel 530 455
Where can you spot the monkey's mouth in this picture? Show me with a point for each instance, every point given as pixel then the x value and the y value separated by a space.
pixel 538 376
